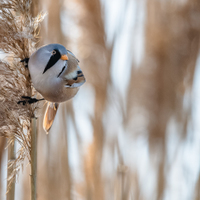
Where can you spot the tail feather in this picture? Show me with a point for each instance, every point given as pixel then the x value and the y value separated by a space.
pixel 49 116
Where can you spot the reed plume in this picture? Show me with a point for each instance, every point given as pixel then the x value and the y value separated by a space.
pixel 18 36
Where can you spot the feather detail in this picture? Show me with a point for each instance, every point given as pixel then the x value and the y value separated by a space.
pixel 75 82
pixel 50 115
pixel 73 76
pixel 69 52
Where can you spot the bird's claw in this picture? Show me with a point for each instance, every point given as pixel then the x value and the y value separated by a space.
pixel 25 62
pixel 28 100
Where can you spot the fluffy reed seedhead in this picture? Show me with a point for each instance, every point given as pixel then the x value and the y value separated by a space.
pixel 18 35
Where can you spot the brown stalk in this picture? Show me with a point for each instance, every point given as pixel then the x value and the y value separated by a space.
pixel 2 151
pixel 11 158
pixel 98 75
pixel 33 159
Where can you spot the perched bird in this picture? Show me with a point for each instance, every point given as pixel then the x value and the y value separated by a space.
pixel 56 75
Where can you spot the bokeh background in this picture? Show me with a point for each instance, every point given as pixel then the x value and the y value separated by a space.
pixel 133 130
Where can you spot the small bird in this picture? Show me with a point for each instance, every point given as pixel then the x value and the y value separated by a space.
pixel 56 75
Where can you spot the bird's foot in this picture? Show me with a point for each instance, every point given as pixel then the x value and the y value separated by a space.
pixel 25 62
pixel 28 100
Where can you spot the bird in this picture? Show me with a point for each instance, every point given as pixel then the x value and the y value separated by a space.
pixel 56 75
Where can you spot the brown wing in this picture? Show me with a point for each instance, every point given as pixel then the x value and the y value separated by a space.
pixel 50 115
pixel 79 80
pixel 73 76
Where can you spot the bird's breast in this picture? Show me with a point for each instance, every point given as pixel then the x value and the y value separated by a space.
pixel 54 90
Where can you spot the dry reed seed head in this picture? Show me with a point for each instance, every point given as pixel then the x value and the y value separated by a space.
pixel 18 36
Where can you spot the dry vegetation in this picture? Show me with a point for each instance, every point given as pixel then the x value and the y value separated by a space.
pixel 155 100
pixel 18 35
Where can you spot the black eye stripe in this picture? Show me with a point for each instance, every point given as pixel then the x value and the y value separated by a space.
pixel 61 71
pixel 52 61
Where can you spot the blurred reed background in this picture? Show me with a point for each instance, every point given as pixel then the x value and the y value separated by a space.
pixel 132 132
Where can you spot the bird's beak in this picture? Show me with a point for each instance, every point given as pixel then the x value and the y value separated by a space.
pixel 64 57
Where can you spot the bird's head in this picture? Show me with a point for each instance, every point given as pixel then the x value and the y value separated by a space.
pixel 48 59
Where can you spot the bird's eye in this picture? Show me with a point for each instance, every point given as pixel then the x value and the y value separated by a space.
pixel 53 52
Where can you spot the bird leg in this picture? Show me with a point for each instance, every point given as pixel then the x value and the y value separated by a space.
pixel 29 100
pixel 25 62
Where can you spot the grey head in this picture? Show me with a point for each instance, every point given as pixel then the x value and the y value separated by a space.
pixel 48 55
pixel 48 60
pixel 46 63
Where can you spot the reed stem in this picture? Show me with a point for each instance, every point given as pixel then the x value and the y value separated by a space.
pixel 11 185
pixel 33 159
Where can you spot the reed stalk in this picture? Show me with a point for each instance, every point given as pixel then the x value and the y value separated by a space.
pixel 11 185
pixel 33 159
